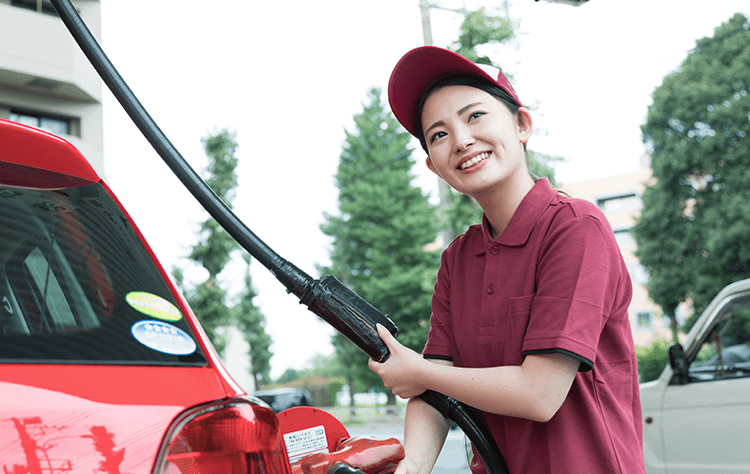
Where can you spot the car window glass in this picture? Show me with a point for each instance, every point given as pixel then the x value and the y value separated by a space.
pixel 726 351
pixel 51 297
pixel 77 285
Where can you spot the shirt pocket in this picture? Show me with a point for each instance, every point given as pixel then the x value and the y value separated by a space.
pixel 519 311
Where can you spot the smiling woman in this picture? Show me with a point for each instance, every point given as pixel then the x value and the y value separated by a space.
pixel 472 131
pixel 529 317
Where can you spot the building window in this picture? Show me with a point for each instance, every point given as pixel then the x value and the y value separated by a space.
pixel 644 320
pixel 41 6
pixel 622 203
pixel 53 124
pixel 624 238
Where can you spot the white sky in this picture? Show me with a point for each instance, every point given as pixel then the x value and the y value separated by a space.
pixel 288 77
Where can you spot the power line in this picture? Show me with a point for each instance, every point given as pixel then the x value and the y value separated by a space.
pixel 745 27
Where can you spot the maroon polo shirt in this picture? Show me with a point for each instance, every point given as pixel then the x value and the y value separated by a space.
pixel 553 282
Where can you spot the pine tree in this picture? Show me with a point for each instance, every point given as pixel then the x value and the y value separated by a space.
pixel 215 246
pixel 213 252
pixel 252 323
pixel 380 235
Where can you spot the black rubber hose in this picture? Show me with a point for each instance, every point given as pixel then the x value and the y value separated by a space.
pixel 295 280
pixel 328 298
pixel 471 425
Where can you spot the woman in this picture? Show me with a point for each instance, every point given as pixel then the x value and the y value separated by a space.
pixel 529 317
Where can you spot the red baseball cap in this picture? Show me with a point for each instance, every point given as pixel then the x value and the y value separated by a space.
pixel 420 66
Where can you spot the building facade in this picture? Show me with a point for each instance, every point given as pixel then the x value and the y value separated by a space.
pixel 619 197
pixel 45 80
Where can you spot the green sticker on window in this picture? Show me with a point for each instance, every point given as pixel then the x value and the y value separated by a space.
pixel 154 306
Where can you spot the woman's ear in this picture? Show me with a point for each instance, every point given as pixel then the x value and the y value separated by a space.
pixel 524 124
pixel 431 165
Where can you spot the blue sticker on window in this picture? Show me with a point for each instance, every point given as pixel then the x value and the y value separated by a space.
pixel 163 337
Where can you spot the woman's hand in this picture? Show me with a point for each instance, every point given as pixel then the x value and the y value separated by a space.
pixel 401 371
pixel 407 466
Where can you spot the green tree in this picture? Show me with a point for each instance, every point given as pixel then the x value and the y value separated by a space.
pixel 478 29
pixel 325 366
pixel 251 321
pixel 215 246
pixel 289 375
pixel 213 252
pixel 463 211
pixel 651 360
pixel 692 234
pixel 379 236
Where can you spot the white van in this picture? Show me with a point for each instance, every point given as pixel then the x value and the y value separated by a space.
pixel 697 413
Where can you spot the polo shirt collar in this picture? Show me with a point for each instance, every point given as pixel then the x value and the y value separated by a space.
pixel 521 224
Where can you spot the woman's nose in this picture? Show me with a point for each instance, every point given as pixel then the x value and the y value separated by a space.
pixel 463 140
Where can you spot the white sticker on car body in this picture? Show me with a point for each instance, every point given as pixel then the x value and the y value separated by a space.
pixel 303 442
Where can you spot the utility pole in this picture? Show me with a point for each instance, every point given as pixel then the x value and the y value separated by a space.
pixel 444 191
pixel 424 7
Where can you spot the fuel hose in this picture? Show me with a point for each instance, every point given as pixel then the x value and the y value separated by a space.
pixel 327 297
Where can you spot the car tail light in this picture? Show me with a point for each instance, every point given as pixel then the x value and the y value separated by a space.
pixel 235 436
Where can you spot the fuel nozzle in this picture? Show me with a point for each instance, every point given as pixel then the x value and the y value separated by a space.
pixel 349 314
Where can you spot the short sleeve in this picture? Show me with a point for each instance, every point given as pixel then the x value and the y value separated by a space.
pixel 440 337
pixel 578 273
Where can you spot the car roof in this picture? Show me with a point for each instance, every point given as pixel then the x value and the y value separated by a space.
pixel 33 148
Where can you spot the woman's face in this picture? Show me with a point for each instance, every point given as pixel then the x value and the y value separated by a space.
pixel 474 142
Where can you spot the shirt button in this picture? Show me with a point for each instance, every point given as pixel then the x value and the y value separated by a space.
pixel 495 250
pixel 490 289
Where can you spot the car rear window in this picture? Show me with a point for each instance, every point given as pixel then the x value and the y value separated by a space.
pixel 77 286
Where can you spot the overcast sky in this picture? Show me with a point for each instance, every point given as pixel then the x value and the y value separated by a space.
pixel 288 77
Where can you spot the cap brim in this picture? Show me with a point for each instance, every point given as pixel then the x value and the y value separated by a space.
pixel 415 71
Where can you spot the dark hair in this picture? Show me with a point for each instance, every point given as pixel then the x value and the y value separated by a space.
pixel 462 80
pixel 472 81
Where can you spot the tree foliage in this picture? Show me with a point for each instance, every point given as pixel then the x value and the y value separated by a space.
pixel 251 321
pixel 379 236
pixel 290 375
pixel 651 360
pixel 692 234
pixel 213 252
pixel 214 248
pixel 463 211
pixel 478 29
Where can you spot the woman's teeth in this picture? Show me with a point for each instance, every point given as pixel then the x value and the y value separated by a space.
pixel 475 160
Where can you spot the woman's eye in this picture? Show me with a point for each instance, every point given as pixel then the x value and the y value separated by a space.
pixel 436 135
pixel 475 115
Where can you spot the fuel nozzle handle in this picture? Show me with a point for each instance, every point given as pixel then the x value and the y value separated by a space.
pixel 349 314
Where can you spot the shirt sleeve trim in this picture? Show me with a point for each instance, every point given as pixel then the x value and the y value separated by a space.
pixel 438 357
pixel 585 366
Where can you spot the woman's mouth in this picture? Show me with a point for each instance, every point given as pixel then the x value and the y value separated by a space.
pixel 464 166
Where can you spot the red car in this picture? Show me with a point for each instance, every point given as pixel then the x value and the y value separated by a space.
pixel 103 366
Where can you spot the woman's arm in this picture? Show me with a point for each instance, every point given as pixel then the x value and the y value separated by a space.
pixel 425 430
pixel 535 390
